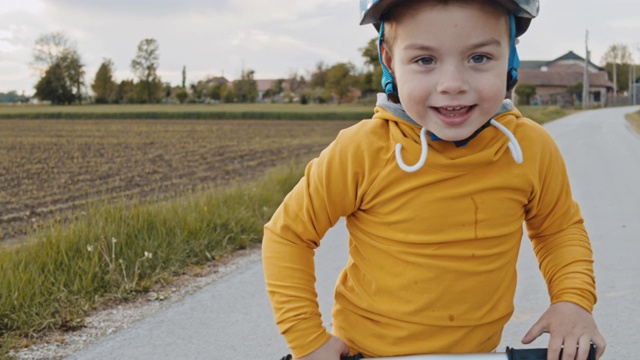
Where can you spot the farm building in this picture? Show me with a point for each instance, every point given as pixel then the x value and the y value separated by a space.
pixel 559 81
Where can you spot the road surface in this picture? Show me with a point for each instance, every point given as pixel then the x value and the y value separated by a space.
pixel 232 319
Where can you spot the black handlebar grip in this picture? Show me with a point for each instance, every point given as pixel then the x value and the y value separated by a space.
pixel 540 354
pixel 352 357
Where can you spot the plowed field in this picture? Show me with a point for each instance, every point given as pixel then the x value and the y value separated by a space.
pixel 49 169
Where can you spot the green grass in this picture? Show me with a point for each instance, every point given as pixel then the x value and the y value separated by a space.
pixel 116 252
pixel 188 111
pixel 634 120
pixel 543 114
pixel 276 111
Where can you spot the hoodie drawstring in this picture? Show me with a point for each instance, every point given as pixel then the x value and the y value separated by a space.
pixel 514 146
pixel 423 155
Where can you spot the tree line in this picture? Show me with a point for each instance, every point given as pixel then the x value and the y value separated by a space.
pixel 63 79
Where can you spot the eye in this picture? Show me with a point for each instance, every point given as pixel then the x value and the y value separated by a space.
pixel 479 59
pixel 426 61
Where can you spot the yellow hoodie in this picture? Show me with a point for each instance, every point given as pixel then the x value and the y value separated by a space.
pixel 432 254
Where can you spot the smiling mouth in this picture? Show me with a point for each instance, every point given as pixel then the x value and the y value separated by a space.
pixel 454 111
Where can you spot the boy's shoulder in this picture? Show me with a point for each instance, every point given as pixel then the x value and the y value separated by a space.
pixel 367 131
pixel 522 126
pixel 532 136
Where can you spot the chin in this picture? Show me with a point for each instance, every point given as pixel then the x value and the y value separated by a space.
pixel 454 135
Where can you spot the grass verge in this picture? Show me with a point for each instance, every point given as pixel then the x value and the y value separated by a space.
pixel 634 120
pixel 256 111
pixel 543 114
pixel 260 111
pixel 117 252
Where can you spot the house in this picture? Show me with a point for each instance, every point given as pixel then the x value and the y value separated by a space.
pixel 559 81
pixel 266 89
pixel 217 80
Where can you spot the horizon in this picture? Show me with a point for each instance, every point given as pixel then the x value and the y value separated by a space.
pixel 222 37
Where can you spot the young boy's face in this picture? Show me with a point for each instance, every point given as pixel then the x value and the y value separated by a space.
pixel 449 62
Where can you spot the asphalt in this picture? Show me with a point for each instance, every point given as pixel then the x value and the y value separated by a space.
pixel 232 318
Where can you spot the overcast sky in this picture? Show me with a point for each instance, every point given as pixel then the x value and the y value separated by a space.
pixel 273 37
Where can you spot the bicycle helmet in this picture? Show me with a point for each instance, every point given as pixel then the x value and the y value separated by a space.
pixel 521 12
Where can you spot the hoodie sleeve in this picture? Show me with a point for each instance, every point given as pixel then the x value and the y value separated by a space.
pixel 329 190
pixel 556 229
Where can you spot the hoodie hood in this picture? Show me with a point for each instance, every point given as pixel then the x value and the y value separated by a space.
pixel 398 114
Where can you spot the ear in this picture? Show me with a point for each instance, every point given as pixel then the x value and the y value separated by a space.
pixel 386 57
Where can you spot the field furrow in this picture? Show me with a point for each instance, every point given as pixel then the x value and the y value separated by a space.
pixel 49 169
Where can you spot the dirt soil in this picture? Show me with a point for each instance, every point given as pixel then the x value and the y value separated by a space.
pixel 51 169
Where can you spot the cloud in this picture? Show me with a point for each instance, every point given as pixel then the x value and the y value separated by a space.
pixel 22 6
pixel 632 23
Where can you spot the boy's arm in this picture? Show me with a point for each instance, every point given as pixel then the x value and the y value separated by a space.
pixel 326 193
pixel 556 228
pixel 563 249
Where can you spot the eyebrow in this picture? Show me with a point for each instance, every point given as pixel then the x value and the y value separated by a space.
pixel 484 43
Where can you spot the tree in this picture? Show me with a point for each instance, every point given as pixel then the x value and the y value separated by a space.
pixel 74 71
pixel 54 87
pixel 145 67
pixel 55 50
pixel 318 77
pixel 371 80
pixel 616 54
pixel 126 92
pixel 525 91
pixel 340 80
pixel 184 77
pixel 182 95
pixel 48 50
pixel 220 91
pixel 246 89
pixel 104 87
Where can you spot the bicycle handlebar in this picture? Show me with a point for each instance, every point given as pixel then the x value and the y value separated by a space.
pixel 509 354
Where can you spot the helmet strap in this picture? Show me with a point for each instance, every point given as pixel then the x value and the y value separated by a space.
pixel 388 85
pixel 514 59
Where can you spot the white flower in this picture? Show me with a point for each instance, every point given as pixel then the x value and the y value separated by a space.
pixel 89 248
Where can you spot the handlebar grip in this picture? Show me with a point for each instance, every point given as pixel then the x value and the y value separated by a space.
pixel 540 354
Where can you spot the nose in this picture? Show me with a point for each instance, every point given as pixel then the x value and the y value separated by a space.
pixel 452 79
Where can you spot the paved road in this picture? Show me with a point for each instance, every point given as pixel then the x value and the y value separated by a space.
pixel 231 319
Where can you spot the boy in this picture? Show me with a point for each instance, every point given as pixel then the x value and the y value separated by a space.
pixel 433 245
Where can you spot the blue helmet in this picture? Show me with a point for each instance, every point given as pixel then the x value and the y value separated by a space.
pixel 372 11
pixel 521 12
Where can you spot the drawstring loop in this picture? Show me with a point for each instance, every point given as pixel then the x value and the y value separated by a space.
pixel 514 146
pixel 423 155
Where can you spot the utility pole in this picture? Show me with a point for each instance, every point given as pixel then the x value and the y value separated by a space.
pixel 585 81
pixel 632 81
pixel 634 86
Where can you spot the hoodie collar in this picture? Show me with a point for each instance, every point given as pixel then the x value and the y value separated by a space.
pixel 397 110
